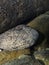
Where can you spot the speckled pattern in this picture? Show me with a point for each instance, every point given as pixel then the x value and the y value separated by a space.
pixel 19 37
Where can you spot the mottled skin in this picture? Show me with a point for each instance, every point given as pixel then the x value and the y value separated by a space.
pixel 19 37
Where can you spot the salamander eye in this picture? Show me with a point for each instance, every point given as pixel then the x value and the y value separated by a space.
pixel 19 28
pixel 1 49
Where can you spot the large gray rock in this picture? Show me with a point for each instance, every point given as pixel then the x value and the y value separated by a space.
pixel 19 37
pixel 13 12
pixel 23 60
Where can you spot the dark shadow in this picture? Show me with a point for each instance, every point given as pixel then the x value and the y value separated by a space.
pixel 20 20
pixel 38 42
pixel 42 63
pixel 47 43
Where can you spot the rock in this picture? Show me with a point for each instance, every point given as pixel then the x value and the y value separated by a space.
pixel 18 38
pixel 42 55
pixel 23 60
pixel 41 23
pixel 9 55
pixel 14 12
pixel 47 13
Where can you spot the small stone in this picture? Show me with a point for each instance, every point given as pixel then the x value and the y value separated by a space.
pixel 19 37
pixel 42 55
pixel 23 60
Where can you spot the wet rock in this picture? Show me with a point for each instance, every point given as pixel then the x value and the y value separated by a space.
pixel 23 60
pixel 14 12
pixel 18 38
pixel 42 55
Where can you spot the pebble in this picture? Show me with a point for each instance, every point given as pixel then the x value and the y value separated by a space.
pixel 43 56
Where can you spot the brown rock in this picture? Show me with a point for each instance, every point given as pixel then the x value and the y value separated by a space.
pixel 9 55
pixel 41 23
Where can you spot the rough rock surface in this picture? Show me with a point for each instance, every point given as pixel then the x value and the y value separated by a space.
pixel 23 60
pixel 19 37
pixel 13 12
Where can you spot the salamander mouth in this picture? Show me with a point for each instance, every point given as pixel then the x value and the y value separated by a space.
pixel 22 47
pixel 19 47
